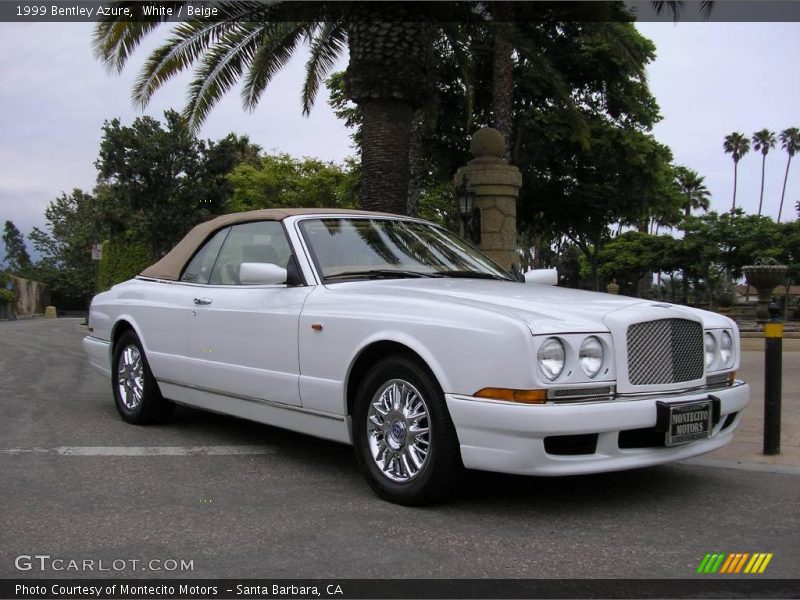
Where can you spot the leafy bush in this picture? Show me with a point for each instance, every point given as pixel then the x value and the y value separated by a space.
pixel 6 296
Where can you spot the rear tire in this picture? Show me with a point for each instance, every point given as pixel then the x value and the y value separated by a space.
pixel 405 442
pixel 136 392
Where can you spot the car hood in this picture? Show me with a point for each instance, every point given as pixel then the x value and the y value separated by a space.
pixel 543 308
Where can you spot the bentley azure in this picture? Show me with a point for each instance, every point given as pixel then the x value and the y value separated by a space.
pixel 395 336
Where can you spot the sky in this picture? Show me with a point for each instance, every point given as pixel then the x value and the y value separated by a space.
pixel 709 79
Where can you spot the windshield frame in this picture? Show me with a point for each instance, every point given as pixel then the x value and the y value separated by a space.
pixel 313 259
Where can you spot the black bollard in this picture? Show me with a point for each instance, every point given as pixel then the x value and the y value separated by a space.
pixel 773 366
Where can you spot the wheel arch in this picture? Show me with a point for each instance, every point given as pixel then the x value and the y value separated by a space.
pixel 375 351
pixel 123 324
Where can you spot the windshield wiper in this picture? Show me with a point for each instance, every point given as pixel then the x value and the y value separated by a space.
pixel 469 275
pixel 378 274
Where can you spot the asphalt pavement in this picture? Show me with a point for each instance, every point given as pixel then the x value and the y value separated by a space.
pixel 237 499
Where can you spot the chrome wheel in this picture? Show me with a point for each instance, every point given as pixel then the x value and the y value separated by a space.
pixel 398 430
pixel 130 377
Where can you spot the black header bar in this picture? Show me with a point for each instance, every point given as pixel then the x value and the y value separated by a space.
pixel 76 11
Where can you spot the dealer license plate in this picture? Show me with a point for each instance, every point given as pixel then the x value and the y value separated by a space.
pixel 687 421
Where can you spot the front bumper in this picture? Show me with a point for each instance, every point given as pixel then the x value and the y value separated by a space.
pixel 99 354
pixel 510 438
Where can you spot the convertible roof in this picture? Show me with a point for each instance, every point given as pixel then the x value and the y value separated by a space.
pixel 172 264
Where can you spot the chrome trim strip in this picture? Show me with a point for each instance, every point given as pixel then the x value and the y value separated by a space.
pixel 678 393
pixel 299 409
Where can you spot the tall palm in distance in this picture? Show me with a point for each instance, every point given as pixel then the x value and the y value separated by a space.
pixel 763 141
pixel 695 193
pixel 737 145
pixel 790 141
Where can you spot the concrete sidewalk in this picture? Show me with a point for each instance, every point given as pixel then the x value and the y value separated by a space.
pixel 747 445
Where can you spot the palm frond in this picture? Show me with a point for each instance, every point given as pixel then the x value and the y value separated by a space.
pixel 275 48
pixel 706 8
pixel 790 140
pixel 115 39
pixel 454 36
pixel 221 67
pixel 189 40
pixel 327 43
pixel 178 53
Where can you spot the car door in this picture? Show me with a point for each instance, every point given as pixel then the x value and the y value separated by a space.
pixel 243 342
pixel 166 318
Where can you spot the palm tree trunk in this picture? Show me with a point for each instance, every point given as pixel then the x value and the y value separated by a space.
pixel 388 76
pixel 386 134
pixel 735 169
pixel 415 165
pixel 763 168
pixel 783 192
pixel 503 86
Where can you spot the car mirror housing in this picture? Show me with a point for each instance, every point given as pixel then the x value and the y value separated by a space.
pixel 255 273
pixel 542 276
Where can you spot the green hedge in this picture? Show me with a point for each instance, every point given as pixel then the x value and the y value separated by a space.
pixel 121 261
pixel 6 296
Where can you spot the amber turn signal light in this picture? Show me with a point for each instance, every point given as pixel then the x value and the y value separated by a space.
pixel 521 396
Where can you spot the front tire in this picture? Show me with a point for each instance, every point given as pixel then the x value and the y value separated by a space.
pixel 136 392
pixel 405 442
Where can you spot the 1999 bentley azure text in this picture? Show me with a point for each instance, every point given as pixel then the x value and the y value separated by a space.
pixel 393 335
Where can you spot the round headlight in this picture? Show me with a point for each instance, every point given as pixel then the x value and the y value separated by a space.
pixel 726 348
pixel 551 358
pixel 710 349
pixel 591 355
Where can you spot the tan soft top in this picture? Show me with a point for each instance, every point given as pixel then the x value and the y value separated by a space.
pixel 172 264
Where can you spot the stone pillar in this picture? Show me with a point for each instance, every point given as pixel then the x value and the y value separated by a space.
pixel 613 287
pixel 497 186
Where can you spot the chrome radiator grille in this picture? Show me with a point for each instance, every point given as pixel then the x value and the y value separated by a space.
pixel 665 351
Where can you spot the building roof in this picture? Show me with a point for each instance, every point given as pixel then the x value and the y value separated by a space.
pixel 172 264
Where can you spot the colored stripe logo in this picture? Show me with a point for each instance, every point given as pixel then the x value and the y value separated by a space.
pixel 735 562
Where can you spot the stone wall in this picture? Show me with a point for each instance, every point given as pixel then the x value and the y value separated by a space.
pixel 32 297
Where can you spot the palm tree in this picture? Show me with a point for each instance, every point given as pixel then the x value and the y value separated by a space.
pixel 763 141
pixel 694 191
pixel 737 145
pixel 388 74
pixel 790 141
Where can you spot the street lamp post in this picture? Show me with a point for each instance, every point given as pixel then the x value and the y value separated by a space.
pixel 470 214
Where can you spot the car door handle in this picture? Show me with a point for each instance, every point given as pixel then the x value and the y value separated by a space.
pixel 202 301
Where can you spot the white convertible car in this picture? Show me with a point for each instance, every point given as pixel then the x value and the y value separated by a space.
pixel 393 335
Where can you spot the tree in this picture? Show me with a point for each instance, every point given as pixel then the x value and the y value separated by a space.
pixel 737 145
pixel 694 191
pixel 387 75
pixel 74 223
pixel 633 256
pixel 279 180
pixel 17 258
pixel 763 141
pixel 156 182
pixel 790 141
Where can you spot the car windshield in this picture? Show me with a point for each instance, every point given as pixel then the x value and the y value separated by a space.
pixel 350 248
